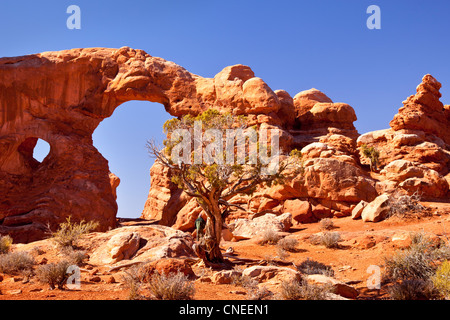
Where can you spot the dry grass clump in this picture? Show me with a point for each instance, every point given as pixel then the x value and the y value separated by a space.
pixel 69 232
pixel 54 274
pixel 314 267
pixel 413 272
pixel 270 236
pixel 75 257
pixel 289 244
pixel 406 206
pixel 327 239
pixel 174 286
pixel 133 280
pixel 16 262
pixel 303 290
pixel 254 292
pixel 326 224
pixel 5 244
pixel 441 279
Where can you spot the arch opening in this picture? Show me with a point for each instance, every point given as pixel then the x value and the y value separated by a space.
pixel 41 150
pixel 121 139
pixel 34 151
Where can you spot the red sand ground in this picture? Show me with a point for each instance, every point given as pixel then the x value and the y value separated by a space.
pixel 363 244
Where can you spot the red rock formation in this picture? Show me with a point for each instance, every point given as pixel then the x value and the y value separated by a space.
pixel 61 97
pixel 415 152
pixel 424 111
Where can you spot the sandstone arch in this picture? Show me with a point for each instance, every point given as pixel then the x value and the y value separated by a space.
pixel 62 97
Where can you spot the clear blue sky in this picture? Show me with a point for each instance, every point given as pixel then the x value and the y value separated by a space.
pixel 292 45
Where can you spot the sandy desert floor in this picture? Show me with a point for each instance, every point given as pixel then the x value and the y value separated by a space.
pixel 362 245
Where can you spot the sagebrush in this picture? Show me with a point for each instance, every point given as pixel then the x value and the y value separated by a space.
pixel 15 262
pixel 5 244
pixel 412 272
pixel 54 274
pixel 69 232
pixel 174 286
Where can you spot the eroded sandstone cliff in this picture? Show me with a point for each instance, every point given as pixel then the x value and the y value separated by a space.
pixel 61 97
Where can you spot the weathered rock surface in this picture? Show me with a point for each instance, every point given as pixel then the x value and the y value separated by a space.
pixel 415 151
pixel 424 111
pixel 246 228
pixel 121 244
pixel 338 287
pixel 301 210
pixel 169 266
pixel 61 97
pixel 376 210
pixel 264 273
pixel 356 212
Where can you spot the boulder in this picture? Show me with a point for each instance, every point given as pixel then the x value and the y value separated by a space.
pixel 225 276
pixel 264 273
pixel 356 212
pixel 339 114
pixel 123 245
pixel 423 111
pixel 115 181
pixel 156 242
pixel 332 179
pixel 337 287
pixel 321 212
pixel 169 266
pixel 286 113
pixel 300 210
pixel 305 100
pixel 260 97
pixel 376 210
pixel 246 229
pixel 185 218
pixel 414 177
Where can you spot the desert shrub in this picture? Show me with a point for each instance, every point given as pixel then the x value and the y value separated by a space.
pixel 243 281
pixel 326 224
pixel 259 293
pixel 314 267
pixel 75 257
pixel 413 271
pixel 303 290
pixel 14 262
pixel 409 264
pixel 5 244
pixel 254 292
pixel 372 154
pixel 416 262
pixel 133 280
pixel 54 274
pixel 269 236
pixel 441 280
pixel 289 244
pixel 413 289
pixel 69 232
pixel 327 239
pixel 282 254
pixel 174 286
pixel 404 205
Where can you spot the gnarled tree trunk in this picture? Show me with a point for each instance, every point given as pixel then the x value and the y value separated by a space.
pixel 209 247
pixel 213 235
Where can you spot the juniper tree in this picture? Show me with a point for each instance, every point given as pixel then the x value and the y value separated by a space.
pixel 372 154
pixel 207 165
